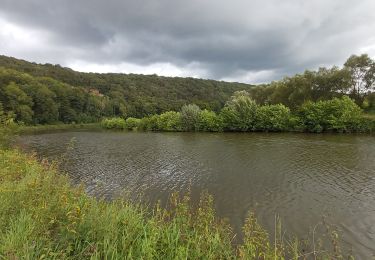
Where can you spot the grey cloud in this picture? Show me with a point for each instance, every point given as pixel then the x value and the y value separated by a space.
pixel 226 38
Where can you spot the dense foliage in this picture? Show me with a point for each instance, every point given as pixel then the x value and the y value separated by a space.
pixel 95 95
pixel 7 129
pixel 242 114
pixel 41 100
pixel 43 217
pixel 341 115
pixel 356 79
pixel 45 94
pixel 239 113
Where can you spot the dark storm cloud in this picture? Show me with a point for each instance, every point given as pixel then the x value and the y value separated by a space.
pixel 227 39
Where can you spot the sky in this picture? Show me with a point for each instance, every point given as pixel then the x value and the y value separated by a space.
pixel 251 41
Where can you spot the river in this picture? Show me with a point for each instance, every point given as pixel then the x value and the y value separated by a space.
pixel 302 178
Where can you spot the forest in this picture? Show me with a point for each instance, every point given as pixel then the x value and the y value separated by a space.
pixel 33 93
pixel 87 97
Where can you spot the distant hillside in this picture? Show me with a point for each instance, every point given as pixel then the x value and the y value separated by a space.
pixel 140 95
pixel 42 94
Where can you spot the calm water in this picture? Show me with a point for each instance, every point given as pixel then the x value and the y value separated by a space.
pixel 296 176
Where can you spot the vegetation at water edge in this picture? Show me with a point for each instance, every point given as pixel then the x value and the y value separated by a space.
pixel 242 114
pixel 48 94
pixel 42 216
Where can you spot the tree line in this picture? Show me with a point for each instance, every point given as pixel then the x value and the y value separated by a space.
pixel 131 94
pixel 355 79
pixel 44 94
pixel 43 100
pixel 242 114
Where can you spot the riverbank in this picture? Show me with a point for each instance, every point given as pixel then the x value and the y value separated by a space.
pixel 242 114
pixel 26 129
pixel 43 216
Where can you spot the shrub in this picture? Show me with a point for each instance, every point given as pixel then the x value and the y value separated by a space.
pixel 239 113
pixel 338 114
pixel 273 118
pixel 189 117
pixel 209 121
pixel 8 128
pixel 132 123
pixel 149 123
pixel 169 121
pixel 113 123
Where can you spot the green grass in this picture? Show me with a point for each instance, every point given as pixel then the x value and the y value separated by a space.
pixel 43 217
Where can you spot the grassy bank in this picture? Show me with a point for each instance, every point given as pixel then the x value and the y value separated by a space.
pixel 41 128
pixel 43 216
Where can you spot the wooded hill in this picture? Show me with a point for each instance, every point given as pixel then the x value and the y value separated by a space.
pixel 45 93
pixel 123 94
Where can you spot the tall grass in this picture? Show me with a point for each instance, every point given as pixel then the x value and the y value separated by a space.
pixel 43 216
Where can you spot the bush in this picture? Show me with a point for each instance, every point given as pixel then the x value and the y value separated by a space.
pixel 149 123
pixel 369 103
pixel 338 114
pixel 132 123
pixel 113 123
pixel 8 128
pixel 189 117
pixel 273 118
pixel 209 121
pixel 239 113
pixel 169 121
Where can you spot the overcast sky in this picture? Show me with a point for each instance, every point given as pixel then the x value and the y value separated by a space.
pixel 238 40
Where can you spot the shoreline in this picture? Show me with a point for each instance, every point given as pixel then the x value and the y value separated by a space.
pixel 56 127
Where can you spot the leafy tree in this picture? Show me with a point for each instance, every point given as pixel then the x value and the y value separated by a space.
pixel 189 117
pixel 149 123
pixel 169 121
pixel 273 118
pixel 45 108
pixel 369 102
pixel 209 121
pixel 362 71
pixel 130 94
pixel 132 123
pixel 18 102
pixel 239 113
pixel 7 128
pixel 330 83
pixel 342 115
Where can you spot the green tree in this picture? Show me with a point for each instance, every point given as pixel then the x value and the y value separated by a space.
pixel 45 108
pixel 369 102
pixel 209 121
pixel 362 71
pixel 132 123
pixel 189 117
pixel 169 121
pixel 149 123
pixel 7 128
pixel 18 102
pixel 338 114
pixel 239 113
pixel 273 118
